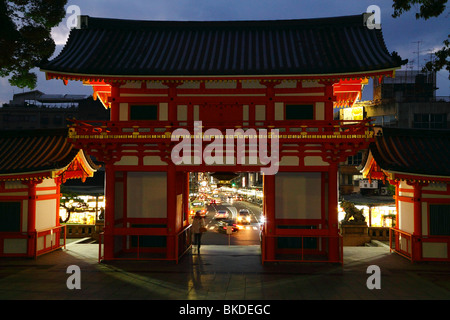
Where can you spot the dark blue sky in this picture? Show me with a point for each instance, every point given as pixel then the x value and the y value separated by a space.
pixel 400 34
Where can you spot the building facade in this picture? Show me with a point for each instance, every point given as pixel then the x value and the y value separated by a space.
pixel 33 166
pixel 406 101
pixel 189 97
pixel 417 162
pixel 37 110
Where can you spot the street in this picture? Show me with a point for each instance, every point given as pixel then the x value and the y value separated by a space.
pixel 248 234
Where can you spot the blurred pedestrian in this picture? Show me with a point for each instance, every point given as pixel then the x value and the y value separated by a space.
pixel 198 228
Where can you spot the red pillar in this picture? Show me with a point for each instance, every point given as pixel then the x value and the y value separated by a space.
pixel 397 218
pixel 31 218
pixel 270 106
pixel 269 213
pixel 109 212
pixel 172 106
pixel 334 246
pixel 417 209
pixel 330 99
pixel 171 211
pixel 115 94
pixel 58 199
pixel 185 198
pixel 417 253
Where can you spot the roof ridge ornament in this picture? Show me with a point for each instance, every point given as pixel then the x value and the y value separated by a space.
pixel 83 22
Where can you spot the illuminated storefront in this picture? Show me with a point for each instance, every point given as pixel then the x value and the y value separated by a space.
pixel 376 216
pixel 88 210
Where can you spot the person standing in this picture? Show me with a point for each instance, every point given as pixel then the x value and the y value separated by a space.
pixel 198 227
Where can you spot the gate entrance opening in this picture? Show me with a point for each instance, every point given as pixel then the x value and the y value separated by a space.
pixel 233 205
pixel 290 214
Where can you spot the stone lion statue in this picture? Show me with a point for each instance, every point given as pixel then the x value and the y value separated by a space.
pixel 352 212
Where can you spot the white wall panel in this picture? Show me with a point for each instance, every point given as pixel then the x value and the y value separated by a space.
pixel 147 195
pixel 45 214
pixel 298 195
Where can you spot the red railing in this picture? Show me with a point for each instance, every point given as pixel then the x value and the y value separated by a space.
pixel 37 242
pixel 410 246
pixel 48 240
pixel 183 243
pixel 402 243
pixel 302 254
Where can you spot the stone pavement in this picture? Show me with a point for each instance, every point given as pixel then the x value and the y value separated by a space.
pixel 233 273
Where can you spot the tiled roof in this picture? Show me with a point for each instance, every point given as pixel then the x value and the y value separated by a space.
pixel 416 151
pixel 29 151
pixel 320 46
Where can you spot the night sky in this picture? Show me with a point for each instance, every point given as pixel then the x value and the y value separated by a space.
pixel 400 34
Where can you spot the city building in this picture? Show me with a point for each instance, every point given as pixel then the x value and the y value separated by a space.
pixel 406 101
pixel 37 110
pixel 173 87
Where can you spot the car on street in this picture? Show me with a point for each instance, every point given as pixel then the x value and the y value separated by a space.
pixel 243 216
pixel 223 225
pixel 221 214
pixel 198 205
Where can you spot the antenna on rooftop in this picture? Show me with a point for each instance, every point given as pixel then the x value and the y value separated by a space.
pixel 418 53
pixel 431 53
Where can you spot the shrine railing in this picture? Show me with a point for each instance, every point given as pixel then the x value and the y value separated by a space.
pixel 301 246
pixel 410 246
pixel 50 239
pixel 162 130
pixel 402 243
pixel 183 243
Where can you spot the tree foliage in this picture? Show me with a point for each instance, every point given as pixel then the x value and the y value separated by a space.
pixel 25 37
pixel 427 9
pixel 441 58
pixel 70 201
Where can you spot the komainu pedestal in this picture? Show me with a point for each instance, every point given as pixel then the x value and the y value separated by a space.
pixel 355 234
pixel 354 227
